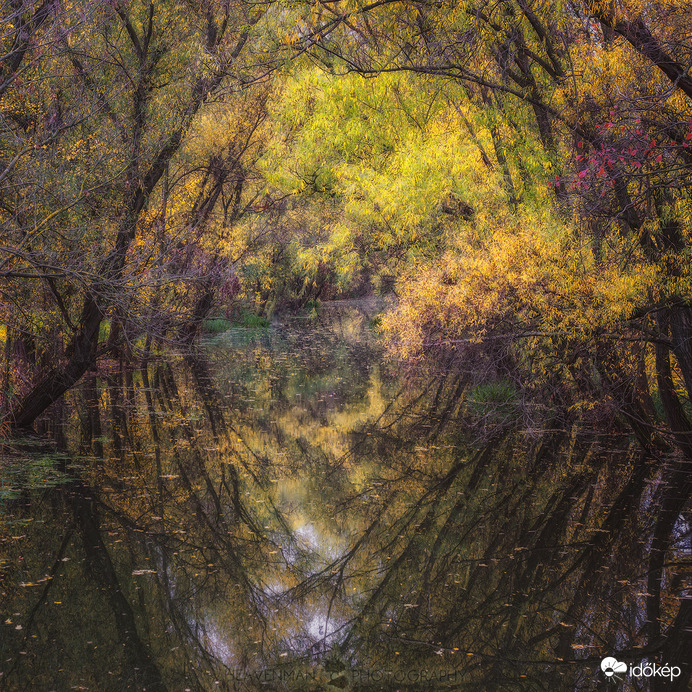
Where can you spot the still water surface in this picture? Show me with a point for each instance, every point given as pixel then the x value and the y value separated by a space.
pixel 288 510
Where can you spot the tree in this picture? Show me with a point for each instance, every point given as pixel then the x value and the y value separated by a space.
pixel 590 297
pixel 100 207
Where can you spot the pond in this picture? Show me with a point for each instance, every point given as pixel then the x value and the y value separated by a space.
pixel 291 509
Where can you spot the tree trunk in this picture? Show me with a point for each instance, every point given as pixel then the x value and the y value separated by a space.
pixel 59 379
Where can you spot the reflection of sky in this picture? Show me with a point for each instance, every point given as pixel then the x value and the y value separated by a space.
pixel 319 543
pixel 323 545
pixel 320 627
pixel 218 642
pixel 290 386
pixel 313 624
pixel 682 537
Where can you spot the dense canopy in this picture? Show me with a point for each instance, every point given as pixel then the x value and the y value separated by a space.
pixel 514 177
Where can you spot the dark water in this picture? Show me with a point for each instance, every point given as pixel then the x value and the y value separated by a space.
pixel 288 510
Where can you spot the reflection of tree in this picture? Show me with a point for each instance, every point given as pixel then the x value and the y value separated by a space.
pixel 174 548
pixel 139 671
pixel 510 557
pixel 244 513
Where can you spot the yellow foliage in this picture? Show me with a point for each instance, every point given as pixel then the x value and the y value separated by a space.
pixel 526 278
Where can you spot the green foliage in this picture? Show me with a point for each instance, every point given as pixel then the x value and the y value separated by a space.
pixel 494 399
pixel 381 174
pixel 245 319
pixel 251 321
pixel 104 331
pixel 216 325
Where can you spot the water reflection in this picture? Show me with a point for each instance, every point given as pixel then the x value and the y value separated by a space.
pixel 285 510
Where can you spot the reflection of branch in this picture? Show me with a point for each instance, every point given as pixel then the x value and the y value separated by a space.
pixel 139 665
pixel 597 552
pixel 212 402
pixel 50 578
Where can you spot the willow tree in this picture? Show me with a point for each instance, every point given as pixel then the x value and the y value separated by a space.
pixel 101 105
pixel 604 89
pixel 588 303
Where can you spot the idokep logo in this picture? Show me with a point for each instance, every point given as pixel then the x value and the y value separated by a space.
pixel 611 667
pixel 614 669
